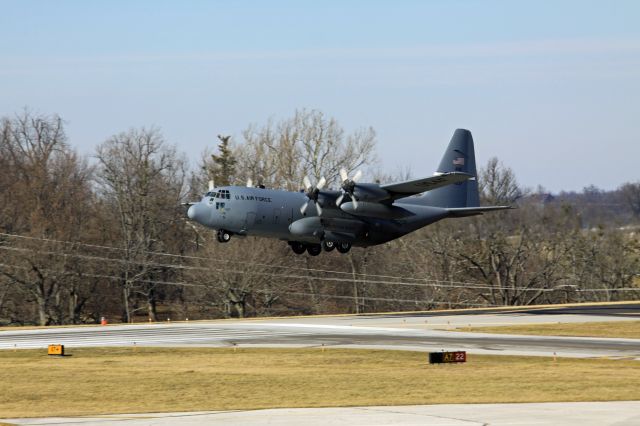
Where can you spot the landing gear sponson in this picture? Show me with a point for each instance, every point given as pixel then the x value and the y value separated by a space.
pixel 316 249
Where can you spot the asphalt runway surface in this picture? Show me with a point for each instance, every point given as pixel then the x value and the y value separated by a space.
pixel 424 331
pixel 619 413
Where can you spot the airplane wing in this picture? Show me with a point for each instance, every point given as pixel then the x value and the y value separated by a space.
pixel 417 186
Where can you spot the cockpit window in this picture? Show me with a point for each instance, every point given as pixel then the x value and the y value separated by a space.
pixel 224 194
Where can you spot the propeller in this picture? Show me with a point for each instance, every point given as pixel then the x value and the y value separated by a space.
pixel 211 185
pixel 250 183
pixel 348 186
pixel 312 192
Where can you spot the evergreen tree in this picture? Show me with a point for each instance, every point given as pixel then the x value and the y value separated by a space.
pixel 223 165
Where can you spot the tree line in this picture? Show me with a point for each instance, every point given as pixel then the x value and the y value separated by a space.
pixel 107 236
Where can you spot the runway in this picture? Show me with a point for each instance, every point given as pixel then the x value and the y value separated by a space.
pixel 414 331
pixel 620 413
pixel 421 331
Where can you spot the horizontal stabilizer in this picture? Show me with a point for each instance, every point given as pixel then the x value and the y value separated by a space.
pixel 474 211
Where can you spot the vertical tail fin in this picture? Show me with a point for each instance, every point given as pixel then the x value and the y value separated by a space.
pixel 459 157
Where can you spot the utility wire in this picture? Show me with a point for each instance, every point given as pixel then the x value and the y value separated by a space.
pixel 241 272
pixel 183 256
pixel 469 286
pixel 332 296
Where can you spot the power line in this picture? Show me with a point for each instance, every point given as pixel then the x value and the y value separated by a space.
pixel 182 256
pixel 389 300
pixel 242 272
pixel 325 295
pixel 302 277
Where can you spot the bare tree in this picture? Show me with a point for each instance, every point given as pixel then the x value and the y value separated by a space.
pixel 46 194
pixel 281 154
pixel 497 184
pixel 143 179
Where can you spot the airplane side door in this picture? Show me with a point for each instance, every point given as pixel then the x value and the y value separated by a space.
pixel 250 220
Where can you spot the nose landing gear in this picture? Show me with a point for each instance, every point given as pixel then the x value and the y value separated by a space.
pixel 223 236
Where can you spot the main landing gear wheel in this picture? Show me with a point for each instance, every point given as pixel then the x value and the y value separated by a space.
pixel 223 236
pixel 298 248
pixel 344 247
pixel 314 249
pixel 328 245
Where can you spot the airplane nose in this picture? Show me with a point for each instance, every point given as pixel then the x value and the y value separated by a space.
pixel 191 212
pixel 199 213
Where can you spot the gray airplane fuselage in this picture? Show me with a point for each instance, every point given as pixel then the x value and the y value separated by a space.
pixel 276 214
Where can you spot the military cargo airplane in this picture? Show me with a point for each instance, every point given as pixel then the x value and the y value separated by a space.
pixel 358 214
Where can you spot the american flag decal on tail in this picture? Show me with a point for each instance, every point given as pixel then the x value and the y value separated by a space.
pixel 458 161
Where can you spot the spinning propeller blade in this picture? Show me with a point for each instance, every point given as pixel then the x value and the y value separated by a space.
pixel 312 192
pixel 348 186
pixel 343 175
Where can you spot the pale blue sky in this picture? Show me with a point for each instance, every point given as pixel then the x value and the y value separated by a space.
pixel 550 87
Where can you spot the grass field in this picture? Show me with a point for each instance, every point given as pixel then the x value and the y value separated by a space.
pixel 121 380
pixel 622 329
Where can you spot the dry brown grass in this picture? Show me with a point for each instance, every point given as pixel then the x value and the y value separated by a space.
pixel 97 381
pixel 621 329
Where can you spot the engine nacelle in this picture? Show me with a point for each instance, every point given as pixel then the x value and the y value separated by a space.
pixel 370 192
pixel 378 210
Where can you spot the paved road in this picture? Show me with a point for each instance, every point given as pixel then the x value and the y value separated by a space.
pixel 623 413
pixel 416 331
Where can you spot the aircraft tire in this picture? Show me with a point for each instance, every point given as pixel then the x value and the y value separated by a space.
pixel 328 245
pixel 224 236
pixel 314 249
pixel 298 248
pixel 343 247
